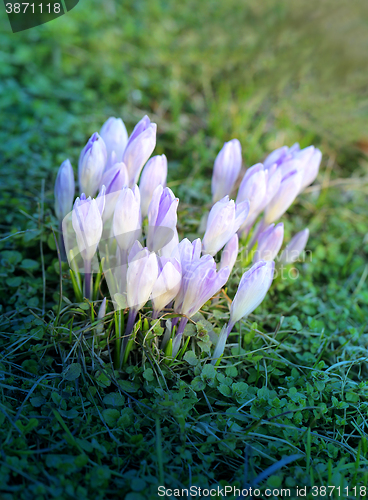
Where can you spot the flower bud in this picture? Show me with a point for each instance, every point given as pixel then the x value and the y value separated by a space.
pixel 171 248
pixel 127 218
pixel 162 218
pixel 223 222
pixel 226 169
pixel 64 190
pixel 167 284
pixel 189 252
pixel 286 194
pixel 102 309
pixel 153 175
pixel 252 289
pixel 139 148
pixel 311 169
pixel 253 188
pixel 230 253
pixel 295 247
pixel 114 179
pixel 91 165
pixel 276 157
pixel 87 224
pixel 269 243
pixel 141 276
pixel 115 136
pixel 199 283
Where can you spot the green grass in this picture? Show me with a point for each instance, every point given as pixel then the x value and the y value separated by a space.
pixel 206 72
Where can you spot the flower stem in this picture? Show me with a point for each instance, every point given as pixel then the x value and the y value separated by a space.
pixel 61 243
pixel 178 336
pixel 128 331
pixel 87 279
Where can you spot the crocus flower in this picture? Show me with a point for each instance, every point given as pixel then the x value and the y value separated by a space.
pixel 223 222
pixel 171 248
pixel 295 247
pixel 269 243
pixel 311 169
pixel 259 191
pixel 115 136
pixel 253 188
pixel 280 155
pixel 154 174
pixel 308 158
pixel 162 218
pixel 189 252
pixel 127 218
pixel 111 160
pixel 199 283
pixel 64 190
pixel 252 289
pixel 167 284
pixel 276 157
pixel 273 181
pixel 140 145
pixel 226 169
pixel 87 224
pixel 114 179
pixel 140 278
pixel 230 253
pixel 100 316
pixel 91 165
pixel 286 194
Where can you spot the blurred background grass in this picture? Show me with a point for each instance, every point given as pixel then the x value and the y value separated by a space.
pixel 269 73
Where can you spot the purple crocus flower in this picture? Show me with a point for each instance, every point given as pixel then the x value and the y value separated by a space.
pixel 91 165
pixel 286 194
pixel 199 283
pixel 140 278
pixel 311 169
pixel 230 253
pixel 252 289
pixel 87 224
pixel 269 243
pixel 162 218
pixel 253 188
pixel 64 190
pixel 114 179
pixel 167 284
pixel 140 145
pixel 295 247
pixel 154 174
pixel 115 136
pixel 189 252
pixel 127 221
pixel 223 222
pixel 226 169
pixel 308 159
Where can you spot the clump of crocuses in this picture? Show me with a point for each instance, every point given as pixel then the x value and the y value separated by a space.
pixel 129 231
